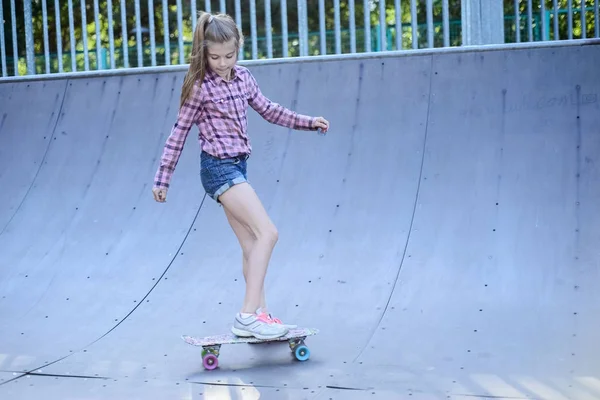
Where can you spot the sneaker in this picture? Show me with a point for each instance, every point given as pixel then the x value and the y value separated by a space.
pixel 278 321
pixel 257 325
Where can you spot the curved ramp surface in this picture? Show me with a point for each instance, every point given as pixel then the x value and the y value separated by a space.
pixel 443 236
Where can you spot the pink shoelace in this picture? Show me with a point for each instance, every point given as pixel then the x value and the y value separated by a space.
pixel 264 317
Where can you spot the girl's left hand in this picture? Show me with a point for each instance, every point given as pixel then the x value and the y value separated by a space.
pixel 321 123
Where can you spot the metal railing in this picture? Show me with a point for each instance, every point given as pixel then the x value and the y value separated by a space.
pixel 554 17
pixel 50 36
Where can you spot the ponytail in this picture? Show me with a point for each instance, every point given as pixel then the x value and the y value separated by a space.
pixel 197 62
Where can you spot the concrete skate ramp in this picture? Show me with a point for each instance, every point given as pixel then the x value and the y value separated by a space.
pixel 444 236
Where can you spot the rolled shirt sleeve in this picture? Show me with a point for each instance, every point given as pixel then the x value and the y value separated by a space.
pixel 186 118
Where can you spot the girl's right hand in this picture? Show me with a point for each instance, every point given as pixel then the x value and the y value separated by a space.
pixel 160 194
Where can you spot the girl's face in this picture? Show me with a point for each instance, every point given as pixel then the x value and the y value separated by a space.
pixel 222 58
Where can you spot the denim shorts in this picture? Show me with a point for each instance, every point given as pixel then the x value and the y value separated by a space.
pixel 218 174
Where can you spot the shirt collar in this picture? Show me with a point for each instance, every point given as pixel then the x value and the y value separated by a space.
pixel 213 76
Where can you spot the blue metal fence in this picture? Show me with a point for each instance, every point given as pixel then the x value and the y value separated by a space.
pixel 159 32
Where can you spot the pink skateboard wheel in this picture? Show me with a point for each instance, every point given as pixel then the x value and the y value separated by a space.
pixel 210 361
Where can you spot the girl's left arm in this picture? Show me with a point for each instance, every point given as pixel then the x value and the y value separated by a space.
pixel 276 113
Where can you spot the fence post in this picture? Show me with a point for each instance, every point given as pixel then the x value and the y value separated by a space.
pixel 303 27
pixel 482 22
pixel 29 38
pixel 2 42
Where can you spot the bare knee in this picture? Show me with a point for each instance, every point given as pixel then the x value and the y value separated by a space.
pixel 264 235
pixel 268 234
pixel 247 211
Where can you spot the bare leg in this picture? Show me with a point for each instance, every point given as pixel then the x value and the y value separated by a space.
pixel 246 240
pixel 243 205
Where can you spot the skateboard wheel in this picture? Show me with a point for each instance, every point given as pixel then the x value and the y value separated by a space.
pixel 210 361
pixel 302 353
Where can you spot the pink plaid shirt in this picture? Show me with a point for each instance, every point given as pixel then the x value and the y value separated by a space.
pixel 219 110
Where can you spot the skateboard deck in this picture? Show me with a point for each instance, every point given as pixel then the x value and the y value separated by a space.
pixel 211 345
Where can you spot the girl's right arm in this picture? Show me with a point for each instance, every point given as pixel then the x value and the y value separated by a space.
pixel 187 116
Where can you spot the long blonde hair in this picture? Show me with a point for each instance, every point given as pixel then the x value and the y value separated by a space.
pixel 217 28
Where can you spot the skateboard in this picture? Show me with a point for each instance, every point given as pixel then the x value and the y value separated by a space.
pixel 211 345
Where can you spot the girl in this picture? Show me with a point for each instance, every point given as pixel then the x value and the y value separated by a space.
pixel 215 96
